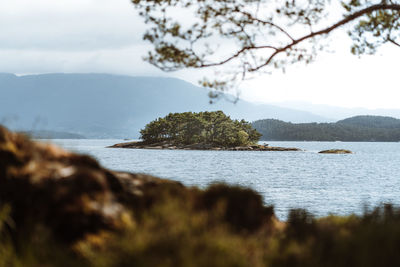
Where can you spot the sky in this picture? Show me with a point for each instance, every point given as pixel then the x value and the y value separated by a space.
pixel 103 36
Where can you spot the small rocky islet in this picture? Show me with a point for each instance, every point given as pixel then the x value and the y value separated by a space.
pixel 336 151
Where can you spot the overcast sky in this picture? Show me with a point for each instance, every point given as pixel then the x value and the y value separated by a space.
pixel 45 36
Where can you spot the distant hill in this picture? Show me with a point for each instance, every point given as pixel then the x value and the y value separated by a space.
pixel 112 106
pixel 358 128
pixel 372 122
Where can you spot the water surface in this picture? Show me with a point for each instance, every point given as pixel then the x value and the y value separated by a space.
pixel 321 183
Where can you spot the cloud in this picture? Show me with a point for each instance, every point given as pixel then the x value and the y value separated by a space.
pixel 121 61
pixel 82 25
pixel 45 36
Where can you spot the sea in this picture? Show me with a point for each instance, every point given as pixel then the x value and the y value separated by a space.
pixel 323 184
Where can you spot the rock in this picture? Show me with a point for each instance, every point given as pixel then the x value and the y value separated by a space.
pixel 271 148
pixel 336 151
pixel 126 145
pixel 242 148
pixel 194 146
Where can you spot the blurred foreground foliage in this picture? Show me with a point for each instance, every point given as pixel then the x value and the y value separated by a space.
pixel 175 233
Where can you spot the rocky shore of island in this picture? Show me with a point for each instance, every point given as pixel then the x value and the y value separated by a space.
pixel 200 146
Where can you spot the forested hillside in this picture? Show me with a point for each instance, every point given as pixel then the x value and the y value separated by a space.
pixel 359 128
pixel 372 122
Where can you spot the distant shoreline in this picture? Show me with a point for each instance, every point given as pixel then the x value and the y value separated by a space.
pixel 45 134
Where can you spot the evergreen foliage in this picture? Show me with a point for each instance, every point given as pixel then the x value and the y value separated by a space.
pixel 213 128
pixel 359 128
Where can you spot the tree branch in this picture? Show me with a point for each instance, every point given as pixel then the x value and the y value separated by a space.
pixel 342 22
pixel 267 23
pixel 393 42
pixel 238 53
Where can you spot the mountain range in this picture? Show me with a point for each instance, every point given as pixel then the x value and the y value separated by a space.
pixel 113 106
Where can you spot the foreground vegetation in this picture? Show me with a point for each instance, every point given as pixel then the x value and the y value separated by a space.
pixel 214 128
pixel 62 209
pixel 359 128
pixel 175 233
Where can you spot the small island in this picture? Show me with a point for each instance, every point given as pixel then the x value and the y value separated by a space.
pixel 200 131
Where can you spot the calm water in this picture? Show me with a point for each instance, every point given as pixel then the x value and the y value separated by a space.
pixel 321 183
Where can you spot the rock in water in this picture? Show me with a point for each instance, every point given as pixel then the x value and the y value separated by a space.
pixel 336 151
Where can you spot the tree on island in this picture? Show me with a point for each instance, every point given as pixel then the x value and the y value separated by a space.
pixel 249 36
pixel 211 128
